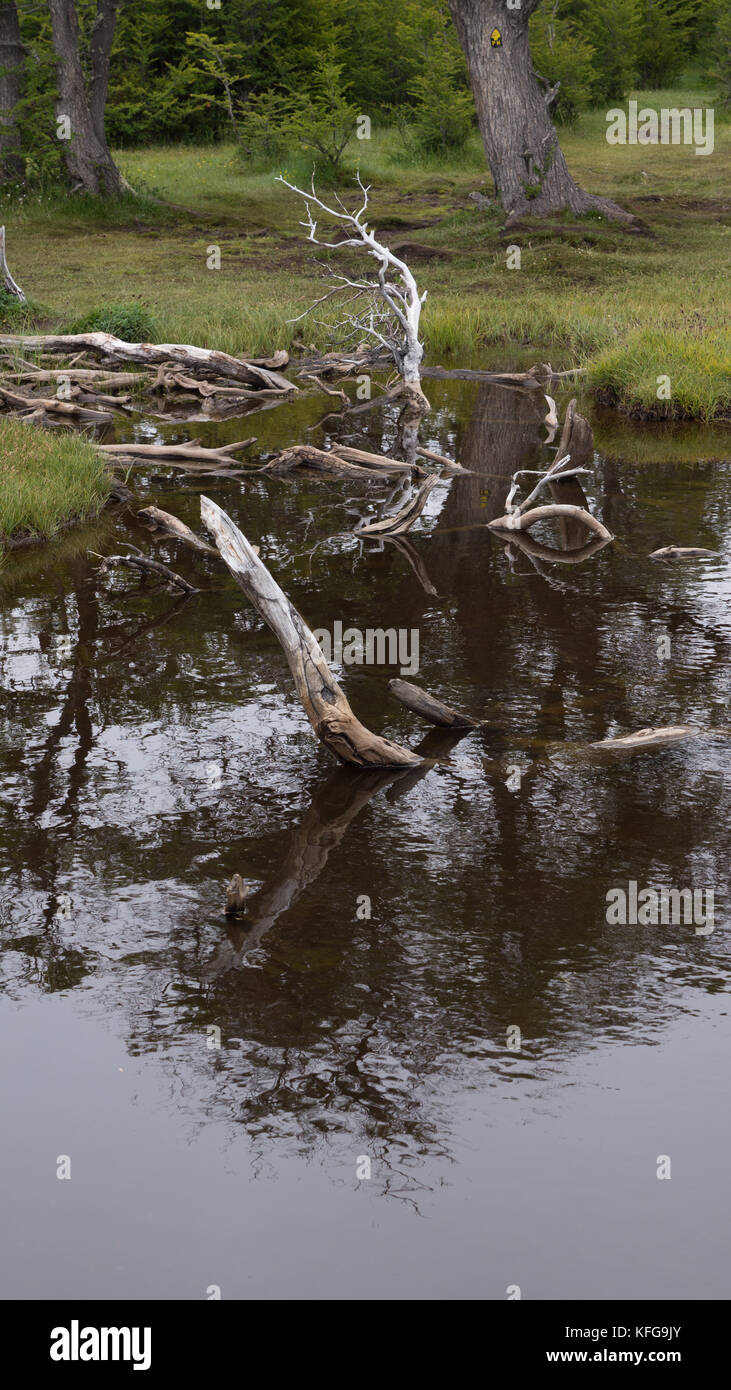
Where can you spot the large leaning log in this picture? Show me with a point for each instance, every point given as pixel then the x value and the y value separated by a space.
pixel 192 451
pixel 217 364
pixel 323 700
pixel 173 526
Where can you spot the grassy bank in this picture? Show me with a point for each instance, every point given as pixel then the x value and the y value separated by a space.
pixel 632 304
pixel 47 478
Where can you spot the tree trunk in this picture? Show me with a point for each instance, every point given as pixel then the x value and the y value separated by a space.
pixel 12 55
pixel 525 158
pixel 88 161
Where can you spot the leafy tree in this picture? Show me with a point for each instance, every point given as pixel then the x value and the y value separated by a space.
pixel 561 54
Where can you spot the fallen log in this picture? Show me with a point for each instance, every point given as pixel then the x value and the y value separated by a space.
pixel 323 700
pixel 517 521
pixel 172 526
pixel 320 461
pixel 378 461
pixel 402 520
pixel 683 552
pixel 216 364
pixel 10 285
pixel 429 708
pixel 193 450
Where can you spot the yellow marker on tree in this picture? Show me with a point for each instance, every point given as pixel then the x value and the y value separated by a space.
pixel 496 39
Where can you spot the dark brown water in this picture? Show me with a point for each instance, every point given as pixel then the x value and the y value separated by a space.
pixel 152 747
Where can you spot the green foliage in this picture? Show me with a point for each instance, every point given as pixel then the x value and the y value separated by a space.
pixel 132 322
pixel 323 118
pixel 719 68
pixel 664 42
pixel 562 54
pixel 613 31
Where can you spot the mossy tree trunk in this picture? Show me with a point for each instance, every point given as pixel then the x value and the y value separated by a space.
pixel 513 112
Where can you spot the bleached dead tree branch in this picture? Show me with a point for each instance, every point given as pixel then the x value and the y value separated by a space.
pixel 388 303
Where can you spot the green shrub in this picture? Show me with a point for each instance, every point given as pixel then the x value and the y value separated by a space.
pixel 562 54
pixel 133 322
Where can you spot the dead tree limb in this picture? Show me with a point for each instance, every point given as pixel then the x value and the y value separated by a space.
pixel 54 406
pixel 328 461
pixel 401 521
pixel 323 700
pixel 143 564
pixel 429 708
pixel 10 285
pixel 683 552
pixel 650 738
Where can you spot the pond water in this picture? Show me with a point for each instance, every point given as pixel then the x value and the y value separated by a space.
pixel 222 1087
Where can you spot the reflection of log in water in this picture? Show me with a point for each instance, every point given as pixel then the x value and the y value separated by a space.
pixel 332 810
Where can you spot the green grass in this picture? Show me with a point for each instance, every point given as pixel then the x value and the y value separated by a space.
pixel 47 478
pixel 588 292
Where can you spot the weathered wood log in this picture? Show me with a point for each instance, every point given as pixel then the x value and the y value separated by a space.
pixel 683 552
pixel 650 738
pixel 428 707
pixel 172 526
pixel 517 521
pixel 380 462
pixel 10 285
pixel 217 364
pixel 323 700
pixel 193 450
pixel 401 521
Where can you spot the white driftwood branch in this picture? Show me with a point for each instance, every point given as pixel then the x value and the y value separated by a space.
pixel 11 285
pixel 404 518
pixel 517 521
pixel 395 327
pixel 323 700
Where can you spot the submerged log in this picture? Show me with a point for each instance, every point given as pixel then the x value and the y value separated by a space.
pixel 217 364
pixel 577 439
pixel 450 464
pixel 81 375
pixel 428 707
pixel 650 738
pixel 683 552
pixel 323 700
pixel 517 521
pixel 403 519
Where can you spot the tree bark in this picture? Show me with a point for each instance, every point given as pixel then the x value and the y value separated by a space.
pixel 12 55
pixel 526 161
pixel 88 161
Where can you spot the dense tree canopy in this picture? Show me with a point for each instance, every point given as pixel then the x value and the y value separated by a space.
pixel 183 71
